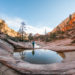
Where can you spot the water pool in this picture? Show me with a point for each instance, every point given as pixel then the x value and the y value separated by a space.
pixel 39 56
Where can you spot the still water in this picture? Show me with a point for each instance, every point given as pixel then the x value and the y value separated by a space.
pixel 39 56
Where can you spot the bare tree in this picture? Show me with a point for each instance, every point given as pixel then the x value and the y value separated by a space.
pixel 22 30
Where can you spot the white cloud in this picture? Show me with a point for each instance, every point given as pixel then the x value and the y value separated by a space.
pixel 41 30
pixel 15 23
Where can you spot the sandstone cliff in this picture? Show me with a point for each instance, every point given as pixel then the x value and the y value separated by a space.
pixel 6 30
pixel 67 24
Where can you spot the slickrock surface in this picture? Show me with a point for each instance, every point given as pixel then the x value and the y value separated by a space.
pixel 13 65
pixel 20 45
pixel 6 50
pixel 58 45
pixel 4 70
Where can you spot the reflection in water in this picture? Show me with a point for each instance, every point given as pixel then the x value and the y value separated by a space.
pixel 19 50
pixel 40 56
pixel 22 54
pixel 33 52
pixel 68 56
pixel 61 54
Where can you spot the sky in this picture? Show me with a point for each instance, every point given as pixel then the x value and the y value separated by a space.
pixel 37 14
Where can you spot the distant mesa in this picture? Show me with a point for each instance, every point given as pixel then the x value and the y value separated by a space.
pixel 37 35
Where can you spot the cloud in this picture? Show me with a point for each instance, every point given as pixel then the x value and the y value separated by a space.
pixel 15 24
pixel 40 29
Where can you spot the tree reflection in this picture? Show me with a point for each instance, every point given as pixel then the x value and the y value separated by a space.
pixel 22 54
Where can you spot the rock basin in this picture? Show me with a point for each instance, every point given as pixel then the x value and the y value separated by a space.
pixel 23 67
pixel 39 56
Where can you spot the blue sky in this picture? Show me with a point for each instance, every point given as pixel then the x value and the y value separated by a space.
pixel 38 14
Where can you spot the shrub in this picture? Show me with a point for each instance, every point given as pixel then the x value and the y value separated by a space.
pixel 52 35
pixel 73 41
pixel 30 37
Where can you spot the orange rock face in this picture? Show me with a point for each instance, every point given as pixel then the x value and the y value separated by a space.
pixel 67 24
pixel 6 30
